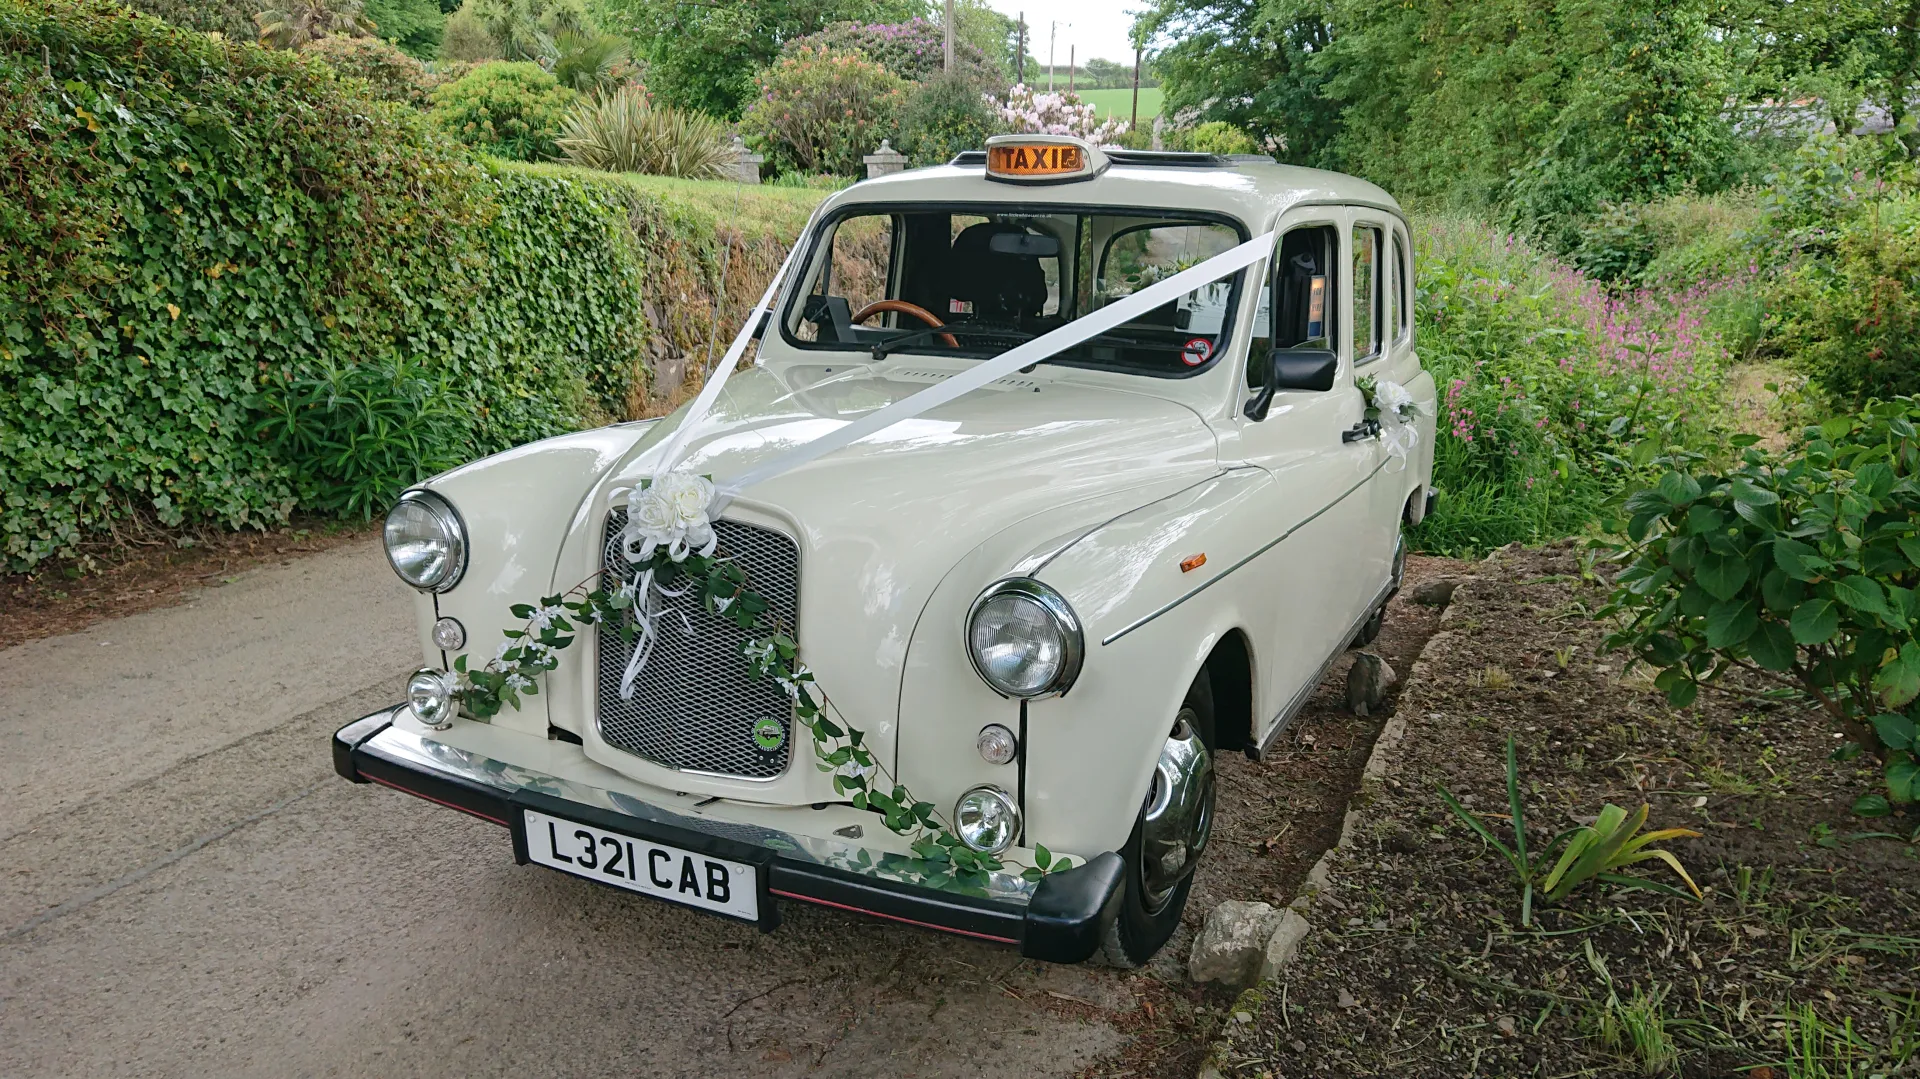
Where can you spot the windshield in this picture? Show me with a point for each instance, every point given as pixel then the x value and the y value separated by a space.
pixel 975 281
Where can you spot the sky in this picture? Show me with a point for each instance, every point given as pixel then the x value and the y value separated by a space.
pixel 1097 27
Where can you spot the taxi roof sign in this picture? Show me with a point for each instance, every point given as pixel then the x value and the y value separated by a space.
pixel 1042 159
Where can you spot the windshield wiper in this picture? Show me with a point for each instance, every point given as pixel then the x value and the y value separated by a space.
pixel 881 348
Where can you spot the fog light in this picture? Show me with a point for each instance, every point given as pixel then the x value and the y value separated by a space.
pixel 996 744
pixel 986 819
pixel 430 697
pixel 449 635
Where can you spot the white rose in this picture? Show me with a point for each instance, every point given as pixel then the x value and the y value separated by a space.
pixel 1392 397
pixel 652 514
pixel 689 495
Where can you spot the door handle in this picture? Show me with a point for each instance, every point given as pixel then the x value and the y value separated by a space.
pixel 1363 429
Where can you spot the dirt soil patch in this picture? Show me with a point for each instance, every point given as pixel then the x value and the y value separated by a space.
pixel 144 571
pixel 1799 961
pixel 1274 819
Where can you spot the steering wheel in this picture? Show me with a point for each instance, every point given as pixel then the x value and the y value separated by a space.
pixel 879 307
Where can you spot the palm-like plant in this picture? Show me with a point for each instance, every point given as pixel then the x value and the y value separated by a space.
pixel 589 63
pixel 624 132
pixel 296 22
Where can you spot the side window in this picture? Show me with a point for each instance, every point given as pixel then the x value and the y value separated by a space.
pixel 1301 311
pixel 1368 293
pixel 1402 290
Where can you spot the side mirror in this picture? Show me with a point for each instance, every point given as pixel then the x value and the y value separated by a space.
pixel 1293 369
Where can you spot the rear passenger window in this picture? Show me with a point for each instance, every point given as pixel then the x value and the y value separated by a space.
pixel 1397 295
pixel 1368 298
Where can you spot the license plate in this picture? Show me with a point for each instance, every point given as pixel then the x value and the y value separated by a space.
pixel 701 881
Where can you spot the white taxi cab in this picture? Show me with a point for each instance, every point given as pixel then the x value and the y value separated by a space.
pixel 1035 608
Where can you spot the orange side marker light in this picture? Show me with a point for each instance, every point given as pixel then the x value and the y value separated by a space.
pixel 1188 565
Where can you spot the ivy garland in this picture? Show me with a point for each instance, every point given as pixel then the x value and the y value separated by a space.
pixel 839 748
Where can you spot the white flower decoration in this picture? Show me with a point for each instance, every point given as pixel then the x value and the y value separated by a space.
pixel 518 681
pixel 671 512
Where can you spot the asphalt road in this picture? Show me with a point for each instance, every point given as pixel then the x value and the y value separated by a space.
pixel 187 889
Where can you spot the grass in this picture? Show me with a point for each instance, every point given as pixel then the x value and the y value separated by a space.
pixel 1120 102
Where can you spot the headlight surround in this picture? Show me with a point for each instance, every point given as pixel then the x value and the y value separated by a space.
pixel 1024 640
pixel 986 819
pixel 426 541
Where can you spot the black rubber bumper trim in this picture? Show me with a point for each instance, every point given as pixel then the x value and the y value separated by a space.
pixel 1061 924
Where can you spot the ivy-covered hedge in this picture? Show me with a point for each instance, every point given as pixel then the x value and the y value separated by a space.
pixel 191 229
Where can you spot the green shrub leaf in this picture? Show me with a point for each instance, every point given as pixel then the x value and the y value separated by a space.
pixel 1772 647
pixel 1896 731
pixel 1898 680
pixel 1731 622
pixel 1862 594
pixel 1798 560
pixel 1815 621
pixel 1721 574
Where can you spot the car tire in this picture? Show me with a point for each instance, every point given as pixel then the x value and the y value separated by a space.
pixel 1147 916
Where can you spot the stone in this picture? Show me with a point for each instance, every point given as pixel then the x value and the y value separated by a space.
pixel 1231 946
pixel 746 164
pixel 1284 943
pixel 1435 593
pixel 1346 999
pixel 885 161
pixel 1369 681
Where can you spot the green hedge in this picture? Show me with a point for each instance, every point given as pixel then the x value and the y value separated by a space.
pixel 192 229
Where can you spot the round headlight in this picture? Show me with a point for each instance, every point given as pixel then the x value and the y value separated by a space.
pixel 430 697
pixel 426 543
pixel 986 819
pixel 1024 639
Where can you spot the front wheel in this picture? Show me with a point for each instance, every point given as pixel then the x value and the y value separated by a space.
pixel 1168 837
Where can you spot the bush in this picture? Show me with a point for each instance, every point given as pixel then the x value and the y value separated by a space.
pixel 466 39
pixel 914 50
pixel 231 19
pixel 944 117
pixel 1212 137
pixel 1800 567
pixel 822 111
pixel 1549 385
pixel 416 26
pixel 624 132
pixel 392 74
pixel 511 109
pixel 148 328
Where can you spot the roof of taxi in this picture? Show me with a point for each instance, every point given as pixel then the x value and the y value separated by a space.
pixel 1254 189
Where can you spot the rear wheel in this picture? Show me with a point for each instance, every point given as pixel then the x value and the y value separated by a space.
pixel 1169 835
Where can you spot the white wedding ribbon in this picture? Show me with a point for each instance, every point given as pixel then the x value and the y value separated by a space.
pixel 1040 348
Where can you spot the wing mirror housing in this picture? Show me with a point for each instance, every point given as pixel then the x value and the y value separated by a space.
pixel 1293 369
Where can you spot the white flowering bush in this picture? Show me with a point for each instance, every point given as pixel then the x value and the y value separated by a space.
pixel 1029 113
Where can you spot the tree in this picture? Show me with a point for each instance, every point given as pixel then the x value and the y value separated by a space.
pixel 705 56
pixel 414 25
pixel 1107 73
pixel 297 22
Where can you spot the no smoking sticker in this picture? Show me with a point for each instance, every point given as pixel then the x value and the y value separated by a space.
pixel 1195 352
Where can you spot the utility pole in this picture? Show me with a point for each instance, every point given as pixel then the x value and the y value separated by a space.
pixel 1053 35
pixel 1020 58
pixel 1072 66
pixel 949 28
pixel 1135 121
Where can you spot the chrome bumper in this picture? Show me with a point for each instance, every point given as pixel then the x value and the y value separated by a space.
pixel 1058 920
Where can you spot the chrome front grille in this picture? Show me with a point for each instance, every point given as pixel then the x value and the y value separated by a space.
pixel 694 705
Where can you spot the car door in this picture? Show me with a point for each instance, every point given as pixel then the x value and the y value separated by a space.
pixel 1326 559
pixel 1375 313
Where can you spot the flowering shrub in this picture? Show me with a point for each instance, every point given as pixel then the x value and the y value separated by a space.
pixel 821 111
pixel 1027 112
pixel 393 75
pixel 913 50
pixel 944 117
pixel 1549 384
pixel 509 109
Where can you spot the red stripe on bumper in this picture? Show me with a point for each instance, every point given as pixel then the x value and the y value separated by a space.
pixel 892 917
pixel 436 801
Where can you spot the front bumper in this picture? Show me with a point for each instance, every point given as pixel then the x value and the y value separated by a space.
pixel 1058 920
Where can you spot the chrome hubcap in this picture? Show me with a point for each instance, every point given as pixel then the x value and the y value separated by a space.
pixel 1178 815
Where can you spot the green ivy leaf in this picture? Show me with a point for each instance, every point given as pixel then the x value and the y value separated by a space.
pixel 1898 680
pixel 1721 575
pixel 1815 621
pixel 1871 805
pixel 1730 623
pixel 1896 731
pixel 1798 560
pixel 1772 647
pixel 1863 594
